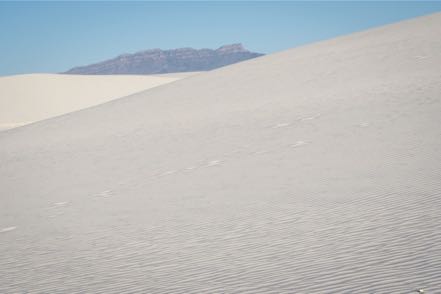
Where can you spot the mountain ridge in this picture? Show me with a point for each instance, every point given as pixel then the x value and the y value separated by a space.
pixel 158 61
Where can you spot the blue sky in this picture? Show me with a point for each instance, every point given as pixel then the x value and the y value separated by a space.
pixel 55 36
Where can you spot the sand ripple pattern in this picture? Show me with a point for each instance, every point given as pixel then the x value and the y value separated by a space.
pixel 365 245
pixel 316 170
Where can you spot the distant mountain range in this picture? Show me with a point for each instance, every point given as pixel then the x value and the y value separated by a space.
pixel 157 61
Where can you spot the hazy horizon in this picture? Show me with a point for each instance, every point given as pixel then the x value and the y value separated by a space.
pixel 50 37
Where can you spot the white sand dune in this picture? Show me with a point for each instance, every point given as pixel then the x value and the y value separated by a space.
pixel 315 170
pixel 34 97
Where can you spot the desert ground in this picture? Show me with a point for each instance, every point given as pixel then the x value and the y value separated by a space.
pixel 33 97
pixel 312 170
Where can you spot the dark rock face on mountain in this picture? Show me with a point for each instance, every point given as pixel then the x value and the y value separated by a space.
pixel 157 61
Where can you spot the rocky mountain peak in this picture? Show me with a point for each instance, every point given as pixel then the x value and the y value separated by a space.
pixel 232 48
pixel 157 61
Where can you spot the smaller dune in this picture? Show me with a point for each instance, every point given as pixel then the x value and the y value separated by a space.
pixel 33 97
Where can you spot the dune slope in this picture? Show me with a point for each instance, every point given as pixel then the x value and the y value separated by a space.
pixel 314 170
pixel 34 97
